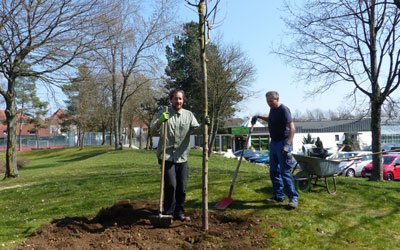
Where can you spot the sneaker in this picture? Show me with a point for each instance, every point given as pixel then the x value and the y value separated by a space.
pixel 274 200
pixel 293 204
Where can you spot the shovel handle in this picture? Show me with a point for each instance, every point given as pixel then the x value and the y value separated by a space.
pixel 164 150
pixel 240 161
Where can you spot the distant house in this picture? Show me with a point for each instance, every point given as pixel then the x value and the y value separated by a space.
pixel 24 128
pixel 55 122
pixel 29 137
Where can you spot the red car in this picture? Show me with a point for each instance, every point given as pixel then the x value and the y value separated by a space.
pixel 391 167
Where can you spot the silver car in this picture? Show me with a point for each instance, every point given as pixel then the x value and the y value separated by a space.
pixel 352 163
pixel 355 169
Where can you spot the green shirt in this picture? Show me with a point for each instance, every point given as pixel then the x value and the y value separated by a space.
pixel 179 126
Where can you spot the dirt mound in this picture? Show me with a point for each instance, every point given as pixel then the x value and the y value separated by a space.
pixel 125 225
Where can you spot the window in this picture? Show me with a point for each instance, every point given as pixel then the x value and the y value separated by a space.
pixel 336 137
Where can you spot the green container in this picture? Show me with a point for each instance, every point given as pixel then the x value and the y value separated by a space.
pixel 241 131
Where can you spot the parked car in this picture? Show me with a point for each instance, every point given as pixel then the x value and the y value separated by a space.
pixel 344 164
pixel 355 169
pixel 390 165
pixel 343 155
pixel 262 158
pixel 247 153
pixel 347 165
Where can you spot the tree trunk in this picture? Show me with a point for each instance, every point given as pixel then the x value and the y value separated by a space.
pixel 115 119
pixel 115 114
pixel 82 137
pixel 149 141
pixel 19 134
pixel 78 142
pixel 140 137
pixel 119 127
pixel 37 138
pixel 103 135
pixel 214 130
pixel 376 100
pixel 202 41
pixel 11 155
pixel 214 137
pixel 130 135
pixel 111 135
pixel 377 171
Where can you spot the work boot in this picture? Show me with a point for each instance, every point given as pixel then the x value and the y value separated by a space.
pixel 293 204
pixel 274 200
pixel 181 217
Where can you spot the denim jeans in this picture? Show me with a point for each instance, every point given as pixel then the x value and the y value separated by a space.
pixel 280 172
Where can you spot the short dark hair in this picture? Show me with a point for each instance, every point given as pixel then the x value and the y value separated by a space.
pixel 173 92
pixel 273 94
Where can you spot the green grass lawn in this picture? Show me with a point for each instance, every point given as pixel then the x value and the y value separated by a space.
pixel 72 182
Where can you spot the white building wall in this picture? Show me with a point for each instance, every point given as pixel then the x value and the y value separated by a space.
pixel 329 139
pixel 365 139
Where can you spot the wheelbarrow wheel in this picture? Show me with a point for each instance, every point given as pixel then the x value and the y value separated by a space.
pixel 302 181
pixel 303 185
pixel 330 183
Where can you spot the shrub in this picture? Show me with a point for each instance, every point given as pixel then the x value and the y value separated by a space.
pixel 21 163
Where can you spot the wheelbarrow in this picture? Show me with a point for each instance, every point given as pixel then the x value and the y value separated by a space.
pixel 313 169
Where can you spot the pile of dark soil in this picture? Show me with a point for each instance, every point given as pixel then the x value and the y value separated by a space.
pixel 125 225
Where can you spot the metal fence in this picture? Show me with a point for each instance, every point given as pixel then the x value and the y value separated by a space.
pixel 31 142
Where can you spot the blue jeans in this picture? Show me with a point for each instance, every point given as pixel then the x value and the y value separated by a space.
pixel 280 172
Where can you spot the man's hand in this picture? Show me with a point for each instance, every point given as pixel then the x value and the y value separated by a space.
pixel 164 117
pixel 287 148
pixel 254 119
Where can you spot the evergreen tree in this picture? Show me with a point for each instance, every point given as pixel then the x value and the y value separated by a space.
pixel 184 69
pixel 228 72
pixel 29 105
pixel 318 143
pixel 85 101
pixel 308 139
pixel 347 144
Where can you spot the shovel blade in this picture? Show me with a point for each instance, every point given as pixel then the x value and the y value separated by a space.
pixel 224 203
pixel 160 220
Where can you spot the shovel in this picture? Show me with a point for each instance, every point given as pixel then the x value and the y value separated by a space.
pixel 225 202
pixel 162 220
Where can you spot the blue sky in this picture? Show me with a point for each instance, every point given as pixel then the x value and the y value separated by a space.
pixel 255 25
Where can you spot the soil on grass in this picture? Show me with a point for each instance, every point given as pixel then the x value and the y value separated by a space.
pixel 125 225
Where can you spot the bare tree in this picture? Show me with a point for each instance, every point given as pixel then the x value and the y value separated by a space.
pixel 144 108
pixel 350 41
pixel 133 48
pixel 104 106
pixel 230 73
pixel 38 38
